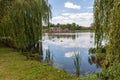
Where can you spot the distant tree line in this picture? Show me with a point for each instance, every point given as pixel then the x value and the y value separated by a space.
pixel 72 26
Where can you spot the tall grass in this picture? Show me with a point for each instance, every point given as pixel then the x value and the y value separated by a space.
pixel 77 63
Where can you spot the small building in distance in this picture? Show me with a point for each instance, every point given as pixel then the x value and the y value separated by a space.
pixel 57 30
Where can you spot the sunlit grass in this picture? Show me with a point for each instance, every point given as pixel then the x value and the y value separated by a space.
pixel 14 66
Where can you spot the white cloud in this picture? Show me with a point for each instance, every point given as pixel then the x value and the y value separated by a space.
pixel 86 16
pixel 84 19
pixel 71 5
pixel 59 18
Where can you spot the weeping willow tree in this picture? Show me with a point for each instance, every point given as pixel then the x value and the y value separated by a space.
pixel 4 6
pixel 24 21
pixel 107 22
pixel 102 11
pixel 107 29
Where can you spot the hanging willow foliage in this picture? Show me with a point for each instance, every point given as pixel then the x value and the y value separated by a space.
pixel 23 23
pixel 4 6
pixel 107 27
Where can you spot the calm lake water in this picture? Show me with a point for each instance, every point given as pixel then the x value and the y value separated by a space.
pixel 63 47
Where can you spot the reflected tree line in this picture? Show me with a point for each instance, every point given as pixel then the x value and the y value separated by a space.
pixel 62 36
pixel 72 36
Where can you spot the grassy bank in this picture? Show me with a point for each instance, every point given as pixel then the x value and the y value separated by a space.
pixel 14 66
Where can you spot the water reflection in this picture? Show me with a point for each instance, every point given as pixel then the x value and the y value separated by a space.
pixel 71 54
pixel 62 35
pixel 98 60
pixel 49 58
pixel 63 46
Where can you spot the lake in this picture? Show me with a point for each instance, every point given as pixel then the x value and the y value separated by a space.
pixel 63 47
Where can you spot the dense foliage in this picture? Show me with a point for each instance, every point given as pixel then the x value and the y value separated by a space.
pixel 21 22
pixel 107 30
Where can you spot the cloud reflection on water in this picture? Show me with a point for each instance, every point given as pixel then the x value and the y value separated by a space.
pixel 45 47
pixel 71 54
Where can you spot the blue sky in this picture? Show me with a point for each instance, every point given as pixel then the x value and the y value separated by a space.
pixel 69 11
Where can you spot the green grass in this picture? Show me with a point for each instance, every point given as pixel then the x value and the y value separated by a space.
pixel 14 66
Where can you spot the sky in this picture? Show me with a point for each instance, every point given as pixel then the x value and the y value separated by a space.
pixel 69 11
